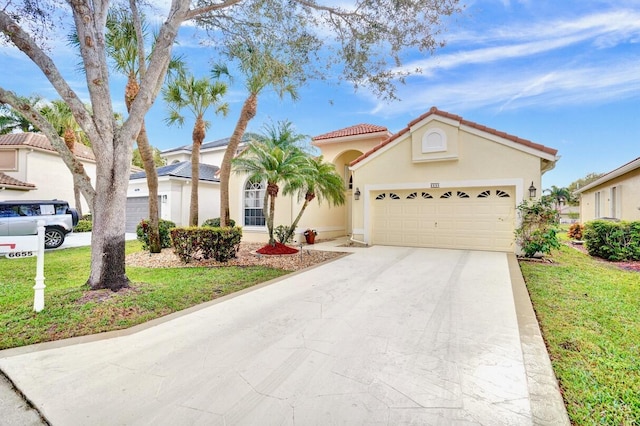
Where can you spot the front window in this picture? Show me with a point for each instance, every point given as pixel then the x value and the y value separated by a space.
pixel 254 203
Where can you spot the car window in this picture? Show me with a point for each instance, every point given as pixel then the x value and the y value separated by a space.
pixel 8 211
pixel 29 210
pixel 61 208
pixel 47 209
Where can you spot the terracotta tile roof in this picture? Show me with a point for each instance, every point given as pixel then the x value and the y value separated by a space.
pixel 14 183
pixel 462 121
pixel 40 141
pixel 358 129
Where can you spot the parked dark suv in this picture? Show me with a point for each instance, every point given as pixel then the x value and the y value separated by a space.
pixel 20 217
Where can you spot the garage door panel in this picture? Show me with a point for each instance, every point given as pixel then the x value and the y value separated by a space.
pixel 469 218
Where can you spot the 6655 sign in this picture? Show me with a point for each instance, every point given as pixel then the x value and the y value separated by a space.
pixel 19 247
pixel 28 246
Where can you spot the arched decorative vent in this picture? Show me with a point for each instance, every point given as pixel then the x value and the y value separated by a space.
pixel 484 194
pixel 381 196
pixel 412 196
pixel 394 196
pixel 462 194
pixel 446 195
pixel 502 194
pixel 426 195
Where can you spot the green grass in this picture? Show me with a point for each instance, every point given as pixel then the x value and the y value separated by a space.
pixel 71 309
pixel 589 313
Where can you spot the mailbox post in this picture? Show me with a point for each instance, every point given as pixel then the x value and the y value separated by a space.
pixel 38 298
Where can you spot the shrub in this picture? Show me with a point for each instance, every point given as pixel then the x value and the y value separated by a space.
pixel 164 227
pixel 215 223
pixel 87 216
pixel 575 231
pixel 83 226
pixel 281 232
pixel 613 240
pixel 206 243
pixel 538 230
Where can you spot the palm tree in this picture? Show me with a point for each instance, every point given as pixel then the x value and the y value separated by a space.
pixel 558 196
pixel 269 159
pixel 61 118
pixel 323 182
pixel 261 69
pixel 196 95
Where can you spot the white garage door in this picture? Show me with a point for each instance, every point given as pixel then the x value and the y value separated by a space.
pixel 464 218
pixel 138 209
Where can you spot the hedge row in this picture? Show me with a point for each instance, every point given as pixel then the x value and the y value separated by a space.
pixel 615 241
pixel 205 243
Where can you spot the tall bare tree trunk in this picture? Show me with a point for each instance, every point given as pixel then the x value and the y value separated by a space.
pixel 246 114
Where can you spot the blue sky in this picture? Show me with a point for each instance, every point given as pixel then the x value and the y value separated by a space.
pixel 562 73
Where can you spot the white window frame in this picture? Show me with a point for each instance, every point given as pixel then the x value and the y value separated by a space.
pixel 427 141
pixel 257 200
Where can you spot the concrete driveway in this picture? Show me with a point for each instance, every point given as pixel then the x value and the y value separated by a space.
pixel 386 335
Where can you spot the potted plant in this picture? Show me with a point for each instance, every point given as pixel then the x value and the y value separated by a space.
pixel 310 235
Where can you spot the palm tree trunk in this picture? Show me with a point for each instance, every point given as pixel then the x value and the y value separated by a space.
pixel 307 199
pixel 272 208
pixel 146 154
pixel 198 137
pixel 70 140
pixel 247 113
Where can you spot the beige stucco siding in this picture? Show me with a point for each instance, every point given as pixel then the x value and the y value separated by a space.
pixel 619 198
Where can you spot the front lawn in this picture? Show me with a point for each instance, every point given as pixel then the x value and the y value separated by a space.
pixel 71 309
pixel 589 313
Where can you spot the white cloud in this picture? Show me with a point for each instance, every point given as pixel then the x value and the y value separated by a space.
pixel 568 86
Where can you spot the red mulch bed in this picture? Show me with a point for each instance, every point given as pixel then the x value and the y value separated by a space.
pixel 278 249
pixel 627 266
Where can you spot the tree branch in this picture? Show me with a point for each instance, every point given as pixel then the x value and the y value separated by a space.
pixel 34 116
pixel 29 47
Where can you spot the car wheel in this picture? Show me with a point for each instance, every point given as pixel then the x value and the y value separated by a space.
pixel 53 238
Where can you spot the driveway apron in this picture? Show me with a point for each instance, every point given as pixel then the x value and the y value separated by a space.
pixel 386 335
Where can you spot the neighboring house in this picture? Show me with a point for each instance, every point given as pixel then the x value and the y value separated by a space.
pixel 569 214
pixel 174 194
pixel 614 195
pixel 30 168
pixel 442 181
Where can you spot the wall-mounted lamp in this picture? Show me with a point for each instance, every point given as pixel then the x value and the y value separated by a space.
pixel 356 194
pixel 532 191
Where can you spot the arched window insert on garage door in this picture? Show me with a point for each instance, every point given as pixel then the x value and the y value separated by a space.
pixel 391 196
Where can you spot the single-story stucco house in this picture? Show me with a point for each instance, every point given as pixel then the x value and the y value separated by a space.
pixel 614 195
pixel 174 194
pixel 442 181
pixel 30 168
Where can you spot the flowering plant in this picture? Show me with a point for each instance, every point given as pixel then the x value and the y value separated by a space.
pixel 310 231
